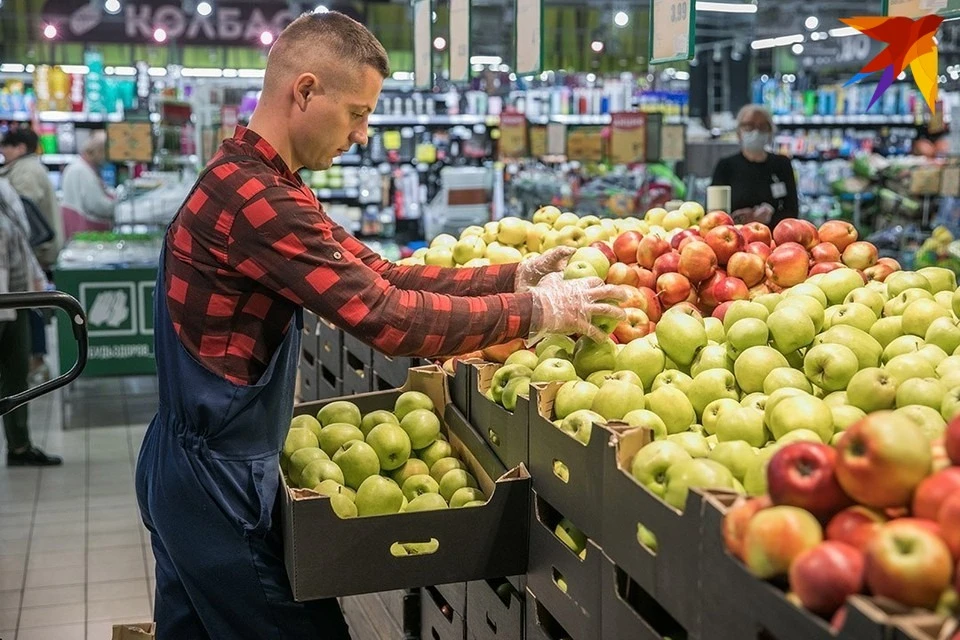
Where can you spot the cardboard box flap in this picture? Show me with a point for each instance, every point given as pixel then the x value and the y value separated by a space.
pixel 133 631
pixel 546 394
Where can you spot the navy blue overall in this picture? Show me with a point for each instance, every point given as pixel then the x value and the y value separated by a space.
pixel 207 482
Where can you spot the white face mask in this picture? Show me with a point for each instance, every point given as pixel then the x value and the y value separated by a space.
pixel 754 140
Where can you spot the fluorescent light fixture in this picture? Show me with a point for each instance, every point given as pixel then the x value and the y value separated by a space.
pixel 485 59
pixel 229 73
pixel 403 75
pixel 621 19
pixel 124 71
pixel 189 72
pixel 726 7
pixel 12 68
pixel 157 72
pixel 250 73
pixel 79 69
pixel 782 41
pixel 682 75
pixel 843 32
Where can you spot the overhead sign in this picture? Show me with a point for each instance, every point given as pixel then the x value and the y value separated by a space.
pixel 672 28
pixel 422 44
pixel 529 36
pixel 459 40
pixel 919 8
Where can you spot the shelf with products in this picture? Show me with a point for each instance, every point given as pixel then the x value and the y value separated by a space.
pixel 865 120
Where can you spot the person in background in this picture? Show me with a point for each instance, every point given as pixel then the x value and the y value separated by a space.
pixel 762 184
pixel 85 204
pixel 29 178
pixel 19 271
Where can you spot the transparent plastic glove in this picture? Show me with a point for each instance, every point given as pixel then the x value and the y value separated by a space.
pixel 530 272
pixel 567 306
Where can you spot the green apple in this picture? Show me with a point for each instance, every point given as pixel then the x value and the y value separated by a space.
pixel 790 329
pixel 902 346
pixel 897 304
pixel 642 358
pixel 886 330
pixel 436 451
pixel 523 357
pixel 418 485
pixel 647 538
pixel 574 395
pixel 712 356
pixel 943 333
pixel 674 408
pixel 463 497
pixel 340 411
pixel 950 379
pixel 374 418
pixel 844 416
pixel 910 365
pixel 768 300
pixel 929 420
pixel 309 422
pixel 746 333
pixel 932 354
pixel 565 343
pixel 870 299
pixel 378 496
pixel 505 374
pixel 811 290
pixel 755 479
pixel 741 309
pixel 469 248
pixel 454 480
pixel 872 389
pixel 940 279
pixel 571 536
pixel 830 366
pixel 742 424
pixel 617 398
pixel 515 388
pixel 343 506
pixel 579 424
pixel 879 287
pixel 358 461
pixel 950 407
pixel 625 376
pixel 948 365
pixel 319 470
pixel 681 336
pixel 443 240
pixel 333 436
pixel 955 303
pixel 900 281
pixel 500 254
pixel 296 439
pixel 554 369
pixel 426 502
pixel 714 328
pixel 735 455
pixel 443 465
pixel 391 443
pixel 698 473
pixel 801 412
pixel 927 392
pixel 754 365
pixel 694 443
pixel 411 401
pixel 801 435
pixel 579 269
pixel 866 348
pixel 300 459
pixel 838 284
pixel 410 468
pixel 594 257
pixel 786 377
pixel 756 400
pixel 553 351
pixel 648 419
pixel 712 385
pixel 597 378
pixel 590 356
pixel 776 397
pixel 672 378
pixel 650 464
pixel 918 316
pixel 331 487
pixel 836 399
pixel 422 426
pixel 853 314
pixel 810 306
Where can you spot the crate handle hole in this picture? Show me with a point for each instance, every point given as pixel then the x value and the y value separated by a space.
pixel 561 470
pixel 491 624
pixel 646 539
pixel 559 580
pixel 494 438
pixel 433 632
pixel 406 549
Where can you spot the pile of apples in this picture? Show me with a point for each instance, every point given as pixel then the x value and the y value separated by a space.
pixel 381 463
pixel 878 513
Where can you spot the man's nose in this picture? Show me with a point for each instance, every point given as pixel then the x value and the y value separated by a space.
pixel 359 137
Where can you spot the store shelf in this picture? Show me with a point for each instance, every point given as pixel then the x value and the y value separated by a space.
pixel 356 194
pixel 58 158
pixel 861 120
pixel 62 116
pixel 468 120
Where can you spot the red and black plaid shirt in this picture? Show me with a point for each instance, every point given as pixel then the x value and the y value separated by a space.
pixel 252 244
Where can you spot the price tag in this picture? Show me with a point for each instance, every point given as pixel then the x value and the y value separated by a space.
pixel 673 145
pixel 538 141
pixel 130 142
pixel 529 27
pixel 672 24
pixel 459 40
pixel 628 138
pixel 513 135
pixel 422 52
pixel 918 8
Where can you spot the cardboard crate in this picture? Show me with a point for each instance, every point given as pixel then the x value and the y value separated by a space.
pixel 924 626
pixel 357 376
pixel 736 604
pixel 328 384
pixel 379 384
pixel 577 610
pixel 322 551
pixel 507 432
pixel 540 624
pixel 628 611
pixel 393 370
pixel 455 593
pixel 310 322
pixel 309 391
pixel 438 620
pixel 567 473
pixel 358 349
pixel 492 617
pixel 134 631
pixel 667 573
pixel 459 384
pixel 330 347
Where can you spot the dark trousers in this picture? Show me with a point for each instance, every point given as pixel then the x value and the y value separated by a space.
pixel 14 367
pixel 38 333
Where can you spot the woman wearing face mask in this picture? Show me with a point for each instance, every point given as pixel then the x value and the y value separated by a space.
pixel 762 184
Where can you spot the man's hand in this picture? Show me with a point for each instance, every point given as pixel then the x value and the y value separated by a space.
pixel 568 306
pixel 530 272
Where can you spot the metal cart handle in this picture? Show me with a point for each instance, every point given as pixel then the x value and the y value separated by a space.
pixel 78 321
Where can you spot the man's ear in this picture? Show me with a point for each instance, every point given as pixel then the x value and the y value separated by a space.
pixel 306 85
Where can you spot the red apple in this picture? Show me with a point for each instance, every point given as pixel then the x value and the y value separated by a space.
pixel 730 289
pixel 825 267
pixel 794 230
pixel 762 250
pixel 788 264
pixel 736 519
pixel 649 249
pixel 625 246
pixel 756 232
pixel 707 297
pixel 697 261
pixel 825 252
pixel 644 299
pixel 878 272
pixel 713 220
pixel 672 288
pixel 622 273
pixel 606 249
pixel 839 233
pixel 776 536
pixel 635 326
pixel 908 564
pixel 889 262
pixel 749 267
pixel 680 236
pixel 725 241
pixel 826 575
pixel 929 525
pixel 721 310
pixel 803 475
pixel 952 440
pixel 855 526
pixel 645 277
pixel 933 490
pixel 949 520
pixel 667 263
pixel 687 308
pixel 860 255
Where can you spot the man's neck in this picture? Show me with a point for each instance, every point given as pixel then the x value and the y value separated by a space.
pixel 754 156
pixel 272 130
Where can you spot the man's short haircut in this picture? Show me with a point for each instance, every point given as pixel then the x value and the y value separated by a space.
pixel 332 37
pixel 21 135
pixel 749 110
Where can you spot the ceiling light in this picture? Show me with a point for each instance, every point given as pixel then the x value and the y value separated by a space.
pixel 591 77
pixel 112 7
pixel 266 38
pixel 439 43
pixel 811 23
pixel 160 35
pixel 485 59
pixel 797 49
pixel 843 32
pixel 204 8
pixel 621 19
pixel 320 9
pixel 49 32
pixel 726 7
pixel 597 46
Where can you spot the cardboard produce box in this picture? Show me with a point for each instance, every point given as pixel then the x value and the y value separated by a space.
pixel 540 624
pixel 309 390
pixel 506 431
pixel 393 370
pixel 628 611
pixel 327 556
pixel 131 631
pixel 495 610
pixel 925 626
pixel 438 620
pixel 357 376
pixel 459 384
pixel 358 349
pixel 667 573
pixel 330 347
pixel 328 384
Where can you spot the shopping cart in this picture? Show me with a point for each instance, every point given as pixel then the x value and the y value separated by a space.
pixel 48 299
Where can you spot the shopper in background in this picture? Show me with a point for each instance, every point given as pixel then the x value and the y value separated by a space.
pixel 762 184
pixel 19 271
pixel 249 247
pixel 28 176
pixel 86 205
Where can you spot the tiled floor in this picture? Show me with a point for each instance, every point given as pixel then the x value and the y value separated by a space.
pixel 74 557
